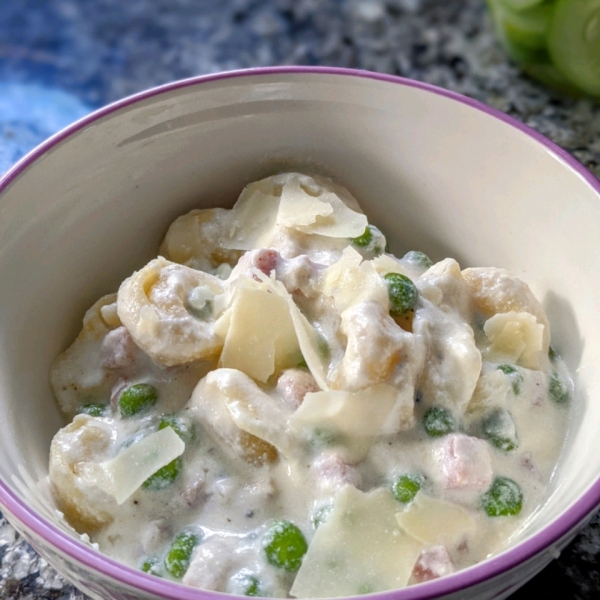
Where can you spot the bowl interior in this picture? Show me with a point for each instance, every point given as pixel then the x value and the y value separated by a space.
pixel 435 173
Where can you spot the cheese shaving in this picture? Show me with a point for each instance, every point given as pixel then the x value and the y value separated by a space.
pixel 298 208
pixel 357 416
pixel 251 222
pixel 351 280
pixel 435 522
pixel 516 337
pixel 123 475
pixel 308 337
pixel 260 335
pixel 359 549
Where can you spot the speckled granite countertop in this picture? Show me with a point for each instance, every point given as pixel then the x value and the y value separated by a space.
pixel 59 59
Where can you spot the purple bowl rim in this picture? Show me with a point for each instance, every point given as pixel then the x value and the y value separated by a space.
pixel 474 575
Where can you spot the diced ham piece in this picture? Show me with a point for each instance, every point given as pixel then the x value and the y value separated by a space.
pixel 263 259
pixel 210 564
pixel 333 472
pixel 298 274
pixel 432 563
pixel 154 535
pixel 293 385
pixel 118 352
pixel 464 462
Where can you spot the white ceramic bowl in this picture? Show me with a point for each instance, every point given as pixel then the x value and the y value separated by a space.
pixel 438 171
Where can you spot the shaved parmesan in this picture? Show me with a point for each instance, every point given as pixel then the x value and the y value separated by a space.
pixel 356 416
pixel 319 212
pixel 260 335
pixel 359 549
pixel 351 280
pixel 341 223
pixel 299 209
pixel 311 346
pixel 434 521
pixel 251 222
pixel 308 337
pixel 384 264
pixel 516 337
pixel 222 324
pixel 123 475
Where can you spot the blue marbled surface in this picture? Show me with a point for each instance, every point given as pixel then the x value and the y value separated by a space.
pixel 60 59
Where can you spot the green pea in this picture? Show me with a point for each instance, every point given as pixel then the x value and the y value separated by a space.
pixel 179 555
pixel 371 243
pixel 152 565
pixel 405 488
pixel 362 241
pixel 251 586
pixel 164 477
pixel 402 292
pixel 558 390
pixel 417 258
pixel 321 514
pixel 500 430
pixel 181 427
pixel 93 410
pixel 137 398
pixel 285 546
pixel 322 438
pixel 516 379
pixel 247 584
pixel 438 422
pixel 504 498
pixel 302 364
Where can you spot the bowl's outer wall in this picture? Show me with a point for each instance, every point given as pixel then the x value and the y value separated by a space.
pixel 436 174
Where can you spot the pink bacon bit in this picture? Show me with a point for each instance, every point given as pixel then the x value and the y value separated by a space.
pixel 433 562
pixel 465 462
pixel 333 471
pixel 293 385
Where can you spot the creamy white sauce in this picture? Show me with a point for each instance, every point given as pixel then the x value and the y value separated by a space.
pixel 250 460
